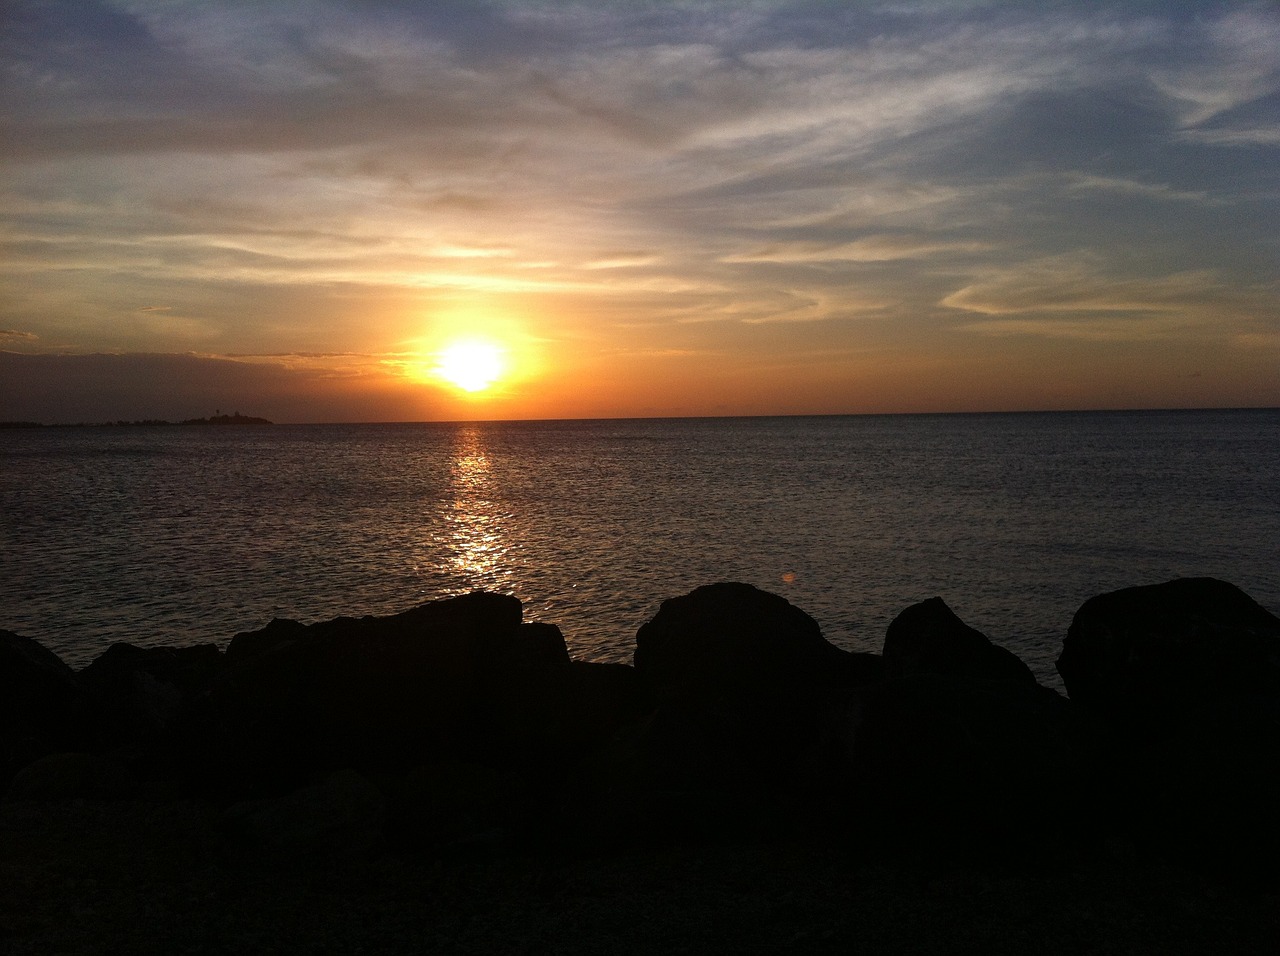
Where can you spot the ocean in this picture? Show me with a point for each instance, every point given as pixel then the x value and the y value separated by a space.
pixel 179 535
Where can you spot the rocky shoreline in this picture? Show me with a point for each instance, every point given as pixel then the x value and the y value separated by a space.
pixel 447 779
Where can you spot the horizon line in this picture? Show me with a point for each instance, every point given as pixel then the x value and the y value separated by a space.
pixel 157 422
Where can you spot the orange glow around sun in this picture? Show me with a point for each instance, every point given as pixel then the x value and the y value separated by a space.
pixel 472 365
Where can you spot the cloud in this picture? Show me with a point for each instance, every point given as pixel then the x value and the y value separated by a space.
pixel 1236 61
pixel 1086 329
pixel 1074 297
pixel 1067 284
pixel 622 260
pixel 871 249
pixel 97 387
pixel 1227 136
pixel 334 177
pixel 1083 182
pixel 18 335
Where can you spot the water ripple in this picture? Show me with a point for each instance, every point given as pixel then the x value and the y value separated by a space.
pixel 179 535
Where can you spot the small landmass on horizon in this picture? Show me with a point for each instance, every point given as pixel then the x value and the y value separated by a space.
pixel 217 419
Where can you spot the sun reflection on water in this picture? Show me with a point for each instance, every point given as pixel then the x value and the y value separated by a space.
pixel 475 522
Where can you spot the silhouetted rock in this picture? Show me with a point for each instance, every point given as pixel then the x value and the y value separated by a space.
pixel 928 638
pixel 747 692
pixel 73 776
pixel 40 704
pixel 1186 677
pixel 458 729
pixel 943 761
pixel 1207 793
pixel 277 632
pixel 540 643
pixel 460 809
pixel 1145 658
pixel 552 717
pixel 375 693
pixel 136 695
pixel 737 637
pixel 340 817
pixel 960 748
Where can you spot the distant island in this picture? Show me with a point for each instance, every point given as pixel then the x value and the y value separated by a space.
pixel 218 419
pixel 236 419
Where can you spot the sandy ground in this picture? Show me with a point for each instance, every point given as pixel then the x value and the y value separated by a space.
pixel 162 877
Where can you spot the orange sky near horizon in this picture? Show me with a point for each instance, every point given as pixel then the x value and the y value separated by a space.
pixel 694 208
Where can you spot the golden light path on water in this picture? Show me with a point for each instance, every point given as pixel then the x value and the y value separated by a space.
pixel 475 534
pixel 170 536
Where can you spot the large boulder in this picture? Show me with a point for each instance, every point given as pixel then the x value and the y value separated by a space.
pixel 476 630
pixel 739 638
pixel 945 762
pixel 1146 658
pixel 745 729
pixel 380 694
pixel 1208 793
pixel 339 817
pixel 547 719
pixel 546 728
pixel 464 810
pixel 40 704
pixel 1185 677
pixel 959 746
pixel 278 632
pixel 72 776
pixel 928 638
pixel 137 695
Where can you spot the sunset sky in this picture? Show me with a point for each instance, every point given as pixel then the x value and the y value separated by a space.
pixel 291 209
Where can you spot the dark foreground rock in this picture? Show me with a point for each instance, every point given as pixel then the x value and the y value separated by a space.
pixel 136 695
pixel 1146 658
pixel 155 879
pixel 986 767
pixel 1184 680
pixel 732 637
pixel 41 704
pixel 73 776
pixel 461 682
pixel 960 748
pixel 928 638
pixel 747 734
pixel 456 730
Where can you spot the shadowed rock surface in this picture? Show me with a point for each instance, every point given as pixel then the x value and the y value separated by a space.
pixel 928 638
pixel 1184 677
pixel 155 879
pixel 73 776
pixel 747 723
pixel 137 694
pixel 745 781
pixel 959 746
pixel 986 766
pixel 1145 657
pixel 462 679
pixel 40 703
pixel 734 637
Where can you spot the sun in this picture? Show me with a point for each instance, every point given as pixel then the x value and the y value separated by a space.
pixel 471 364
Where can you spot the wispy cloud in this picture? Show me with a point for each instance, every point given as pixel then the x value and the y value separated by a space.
pixel 1081 182
pixel 328 177
pixel 1068 284
pixel 1234 60
pixel 1228 136
pixel 871 249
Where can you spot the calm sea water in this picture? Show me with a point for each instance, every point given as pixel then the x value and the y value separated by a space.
pixel 181 535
